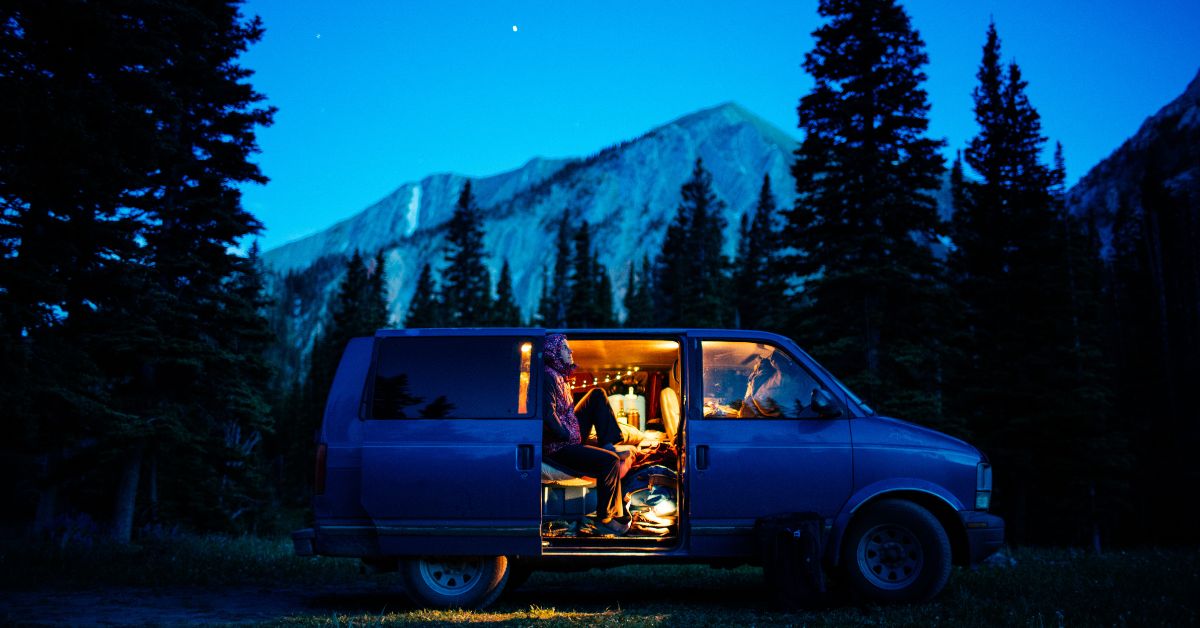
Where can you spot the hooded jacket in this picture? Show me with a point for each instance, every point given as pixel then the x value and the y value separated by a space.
pixel 560 427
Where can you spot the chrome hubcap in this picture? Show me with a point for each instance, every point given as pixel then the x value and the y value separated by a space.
pixel 890 557
pixel 450 576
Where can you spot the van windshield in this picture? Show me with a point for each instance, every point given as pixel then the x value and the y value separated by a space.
pixel 849 393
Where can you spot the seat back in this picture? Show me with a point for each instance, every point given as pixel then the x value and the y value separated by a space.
pixel 670 403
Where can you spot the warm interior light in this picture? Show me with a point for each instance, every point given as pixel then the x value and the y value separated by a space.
pixel 523 379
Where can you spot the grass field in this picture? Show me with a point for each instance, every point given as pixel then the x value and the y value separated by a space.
pixel 1033 587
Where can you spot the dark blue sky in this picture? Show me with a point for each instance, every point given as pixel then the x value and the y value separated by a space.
pixel 374 94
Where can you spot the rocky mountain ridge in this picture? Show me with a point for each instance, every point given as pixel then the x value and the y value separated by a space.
pixel 628 193
pixel 1168 142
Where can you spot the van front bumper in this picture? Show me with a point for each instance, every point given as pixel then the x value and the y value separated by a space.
pixel 985 534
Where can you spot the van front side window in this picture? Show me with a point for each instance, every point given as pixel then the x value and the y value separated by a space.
pixel 479 377
pixel 753 380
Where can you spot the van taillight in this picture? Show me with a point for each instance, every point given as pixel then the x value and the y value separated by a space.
pixel 319 484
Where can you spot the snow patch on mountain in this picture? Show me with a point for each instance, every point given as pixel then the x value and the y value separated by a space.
pixel 414 207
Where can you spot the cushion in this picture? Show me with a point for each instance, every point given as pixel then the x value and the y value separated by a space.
pixel 554 476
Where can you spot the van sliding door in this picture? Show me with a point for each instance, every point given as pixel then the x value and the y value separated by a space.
pixel 451 444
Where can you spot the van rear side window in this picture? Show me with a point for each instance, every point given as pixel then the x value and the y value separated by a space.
pixel 465 377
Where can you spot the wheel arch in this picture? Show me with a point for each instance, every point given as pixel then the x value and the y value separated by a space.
pixel 942 509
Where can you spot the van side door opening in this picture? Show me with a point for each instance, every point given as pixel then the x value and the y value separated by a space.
pixel 636 374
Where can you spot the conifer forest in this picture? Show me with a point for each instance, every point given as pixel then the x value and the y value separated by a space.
pixel 147 380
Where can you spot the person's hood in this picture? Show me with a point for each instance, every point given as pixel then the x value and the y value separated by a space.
pixel 552 354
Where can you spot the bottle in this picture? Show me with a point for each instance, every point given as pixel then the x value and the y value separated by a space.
pixel 631 401
pixel 621 416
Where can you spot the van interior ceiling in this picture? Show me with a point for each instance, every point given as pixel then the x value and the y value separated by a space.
pixel 641 380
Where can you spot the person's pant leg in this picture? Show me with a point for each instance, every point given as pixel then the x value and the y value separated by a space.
pixel 593 411
pixel 601 464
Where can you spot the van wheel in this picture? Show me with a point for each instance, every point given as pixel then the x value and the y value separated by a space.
pixel 896 551
pixel 455 581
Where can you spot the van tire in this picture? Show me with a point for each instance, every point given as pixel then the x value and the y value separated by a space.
pixel 896 551
pixel 454 581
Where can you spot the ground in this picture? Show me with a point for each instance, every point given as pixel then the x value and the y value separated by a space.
pixel 244 581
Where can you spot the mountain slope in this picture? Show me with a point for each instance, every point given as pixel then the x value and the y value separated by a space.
pixel 1168 141
pixel 628 193
pixel 426 202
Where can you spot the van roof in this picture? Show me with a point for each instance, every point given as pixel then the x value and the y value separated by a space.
pixel 695 332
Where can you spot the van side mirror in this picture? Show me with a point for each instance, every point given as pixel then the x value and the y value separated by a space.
pixel 823 404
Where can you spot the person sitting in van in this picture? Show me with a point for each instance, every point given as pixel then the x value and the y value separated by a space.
pixel 768 391
pixel 565 422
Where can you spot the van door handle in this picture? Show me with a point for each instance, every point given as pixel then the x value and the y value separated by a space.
pixel 701 456
pixel 524 457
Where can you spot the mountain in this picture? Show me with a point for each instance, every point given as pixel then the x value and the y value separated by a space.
pixel 628 193
pixel 1168 142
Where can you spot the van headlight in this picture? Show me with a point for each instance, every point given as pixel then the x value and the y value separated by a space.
pixel 983 486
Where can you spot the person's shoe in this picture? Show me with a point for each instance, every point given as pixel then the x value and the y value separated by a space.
pixel 618 527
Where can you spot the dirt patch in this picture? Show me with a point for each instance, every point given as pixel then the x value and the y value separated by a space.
pixel 123 606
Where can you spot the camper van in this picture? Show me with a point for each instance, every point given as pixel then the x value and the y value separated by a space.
pixel 429 462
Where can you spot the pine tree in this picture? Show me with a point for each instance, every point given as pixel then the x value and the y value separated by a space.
pixel 1021 269
pixel 582 310
pixel 560 287
pixel 1100 490
pixel 506 313
pixel 545 306
pixel 639 300
pixel 425 308
pixel 648 295
pixel 466 289
pixel 337 329
pixel 758 285
pixel 69 251
pixel 245 391
pixel 630 302
pixel 692 273
pixel 744 277
pixel 864 215
pixel 604 316
pixel 122 237
pixel 671 275
pixel 377 305
pixel 1155 288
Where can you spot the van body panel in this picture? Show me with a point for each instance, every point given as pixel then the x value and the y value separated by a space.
pixel 344 405
pixel 754 469
pixel 459 476
pixel 890 450
pixel 340 433
pixel 343 484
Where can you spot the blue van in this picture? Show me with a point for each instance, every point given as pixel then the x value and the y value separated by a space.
pixel 429 461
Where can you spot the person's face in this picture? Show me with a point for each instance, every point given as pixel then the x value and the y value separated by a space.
pixel 565 354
